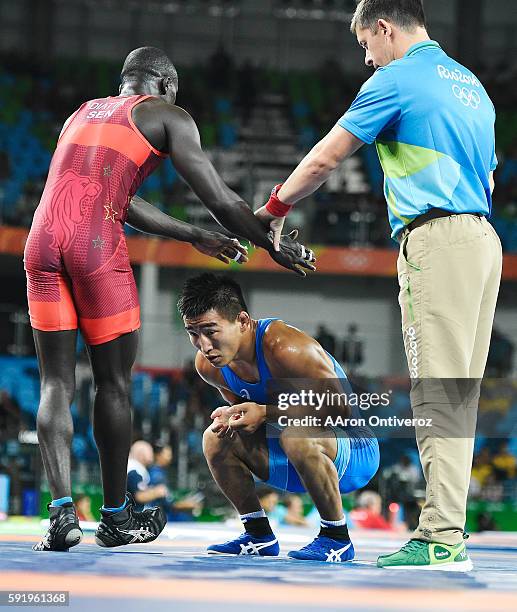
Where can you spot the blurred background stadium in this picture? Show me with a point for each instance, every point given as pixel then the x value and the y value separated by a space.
pixel 264 81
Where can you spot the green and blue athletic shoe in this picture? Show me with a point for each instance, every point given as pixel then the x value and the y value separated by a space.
pixel 417 554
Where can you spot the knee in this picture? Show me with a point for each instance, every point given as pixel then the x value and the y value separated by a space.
pixel 116 386
pixel 212 445
pixel 297 449
pixel 57 390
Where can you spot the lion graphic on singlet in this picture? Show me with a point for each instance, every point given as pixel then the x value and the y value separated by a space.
pixel 65 210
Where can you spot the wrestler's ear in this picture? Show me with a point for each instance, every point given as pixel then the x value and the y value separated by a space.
pixel 165 84
pixel 162 85
pixel 244 320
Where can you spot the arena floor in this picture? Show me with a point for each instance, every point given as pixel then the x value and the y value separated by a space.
pixel 174 573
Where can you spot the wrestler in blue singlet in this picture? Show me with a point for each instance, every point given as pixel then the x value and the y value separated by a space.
pixel 357 457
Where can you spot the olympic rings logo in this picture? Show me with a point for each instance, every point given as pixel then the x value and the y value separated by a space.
pixel 468 97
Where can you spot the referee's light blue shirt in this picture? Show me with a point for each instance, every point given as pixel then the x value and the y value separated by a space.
pixel 433 125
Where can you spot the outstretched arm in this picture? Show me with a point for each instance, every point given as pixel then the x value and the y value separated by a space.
pixel 189 159
pixel 147 218
pixel 191 162
pixel 314 169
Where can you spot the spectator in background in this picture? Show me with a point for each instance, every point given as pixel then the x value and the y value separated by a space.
pixel 368 513
pixel 407 471
pixel 268 499
pixel 352 354
pixel 326 339
pixel 83 506
pixel 294 512
pixel 158 474
pixel 175 510
pixel 493 490
pixel 481 470
pixel 403 484
pixel 504 462
pixel 141 456
pixel 162 460
pixel 485 522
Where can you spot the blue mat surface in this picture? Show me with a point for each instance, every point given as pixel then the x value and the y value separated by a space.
pixel 175 569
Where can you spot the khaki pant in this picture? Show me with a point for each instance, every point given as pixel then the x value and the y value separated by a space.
pixel 449 272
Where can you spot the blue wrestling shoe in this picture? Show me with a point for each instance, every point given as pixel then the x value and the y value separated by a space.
pixel 247 544
pixel 325 549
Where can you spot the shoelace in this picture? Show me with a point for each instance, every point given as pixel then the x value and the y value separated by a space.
pixel 146 522
pixel 143 518
pixel 242 535
pixel 412 546
pixel 311 546
pixel 146 517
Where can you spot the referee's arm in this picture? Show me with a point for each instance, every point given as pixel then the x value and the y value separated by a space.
pixel 318 164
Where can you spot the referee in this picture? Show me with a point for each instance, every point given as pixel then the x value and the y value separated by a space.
pixel 433 126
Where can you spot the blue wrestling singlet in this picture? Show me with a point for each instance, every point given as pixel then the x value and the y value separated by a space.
pixel 357 457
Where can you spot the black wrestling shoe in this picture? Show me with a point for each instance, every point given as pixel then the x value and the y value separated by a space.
pixel 129 526
pixel 64 531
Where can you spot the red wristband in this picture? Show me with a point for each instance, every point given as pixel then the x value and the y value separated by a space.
pixel 275 206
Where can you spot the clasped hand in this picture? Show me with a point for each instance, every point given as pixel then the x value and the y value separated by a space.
pixel 245 418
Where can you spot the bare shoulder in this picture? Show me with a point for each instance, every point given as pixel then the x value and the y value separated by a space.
pixel 280 336
pixel 170 112
pixel 288 350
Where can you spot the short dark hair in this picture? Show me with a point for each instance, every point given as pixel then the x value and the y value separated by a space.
pixel 211 291
pixel 159 447
pixel 148 62
pixel 407 14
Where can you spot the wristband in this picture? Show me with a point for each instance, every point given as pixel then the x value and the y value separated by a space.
pixel 275 206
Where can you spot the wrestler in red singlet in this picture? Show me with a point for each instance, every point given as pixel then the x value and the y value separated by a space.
pixel 78 275
pixel 76 259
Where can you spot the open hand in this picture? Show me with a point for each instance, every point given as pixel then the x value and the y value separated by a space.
pixel 293 255
pixel 221 247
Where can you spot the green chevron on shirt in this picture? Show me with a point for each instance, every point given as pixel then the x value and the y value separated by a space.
pixel 399 160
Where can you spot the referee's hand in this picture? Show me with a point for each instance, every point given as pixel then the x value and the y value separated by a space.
pixel 275 225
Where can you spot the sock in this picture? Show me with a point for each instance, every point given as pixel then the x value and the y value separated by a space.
pixel 337 530
pixel 256 523
pixel 61 501
pixel 113 510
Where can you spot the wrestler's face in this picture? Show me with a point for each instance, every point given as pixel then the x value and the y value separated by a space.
pixel 378 46
pixel 217 338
